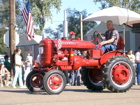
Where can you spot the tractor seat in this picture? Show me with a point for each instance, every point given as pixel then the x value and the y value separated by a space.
pixel 120 44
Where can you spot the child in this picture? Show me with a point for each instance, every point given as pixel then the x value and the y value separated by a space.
pixel 4 75
pixel 27 70
pixel 7 63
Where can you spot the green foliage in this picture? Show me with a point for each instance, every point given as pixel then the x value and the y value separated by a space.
pixel 4 13
pixel 74 22
pixel 131 4
pixel 73 18
pixel 42 9
pixel 4 21
pixel 3 48
pixel 51 34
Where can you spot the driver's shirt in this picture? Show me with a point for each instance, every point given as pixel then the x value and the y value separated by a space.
pixel 112 34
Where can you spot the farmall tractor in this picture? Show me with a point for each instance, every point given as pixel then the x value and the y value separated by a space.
pixel 111 70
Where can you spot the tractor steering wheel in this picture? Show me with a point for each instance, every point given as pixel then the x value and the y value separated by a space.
pixel 95 34
pixel 96 37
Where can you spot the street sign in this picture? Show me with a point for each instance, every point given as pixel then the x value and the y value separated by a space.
pixel 6 38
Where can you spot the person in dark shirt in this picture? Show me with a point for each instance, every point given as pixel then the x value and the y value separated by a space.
pixel 110 38
pixel 7 63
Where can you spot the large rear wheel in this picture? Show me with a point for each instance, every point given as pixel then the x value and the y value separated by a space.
pixel 54 82
pixel 34 81
pixel 119 74
pixel 92 79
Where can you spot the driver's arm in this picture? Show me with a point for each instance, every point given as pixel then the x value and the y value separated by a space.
pixel 107 41
pixel 101 36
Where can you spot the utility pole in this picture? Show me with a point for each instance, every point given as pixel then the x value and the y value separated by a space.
pixel 12 32
pixel 81 26
pixel 65 25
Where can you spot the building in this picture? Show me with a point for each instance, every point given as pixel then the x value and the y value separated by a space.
pixel 131 37
pixel 29 46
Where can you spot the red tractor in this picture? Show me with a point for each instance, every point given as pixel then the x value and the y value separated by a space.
pixel 111 70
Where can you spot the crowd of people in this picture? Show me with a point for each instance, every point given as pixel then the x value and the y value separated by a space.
pixel 135 59
pixel 21 70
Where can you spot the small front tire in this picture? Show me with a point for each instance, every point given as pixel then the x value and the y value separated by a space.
pixel 54 82
pixel 34 81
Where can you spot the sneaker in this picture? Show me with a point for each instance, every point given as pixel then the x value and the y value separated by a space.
pixel 136 84
pixel 14 86
pixel 1 85
pixel 7 85
pixel 22 87
pixel 67 84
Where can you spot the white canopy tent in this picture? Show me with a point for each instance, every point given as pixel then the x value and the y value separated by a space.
pixel 119 16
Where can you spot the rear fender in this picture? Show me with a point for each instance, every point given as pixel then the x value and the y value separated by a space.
pixel 109 55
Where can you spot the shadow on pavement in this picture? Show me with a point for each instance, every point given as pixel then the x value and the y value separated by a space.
pixel 135 89
pixel 86 90
pixel 25 92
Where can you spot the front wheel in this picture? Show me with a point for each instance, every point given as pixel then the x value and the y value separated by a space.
pixel 54 82
pixel 34 81
pixel 119 74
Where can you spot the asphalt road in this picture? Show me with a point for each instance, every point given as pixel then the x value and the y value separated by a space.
pixel 72 95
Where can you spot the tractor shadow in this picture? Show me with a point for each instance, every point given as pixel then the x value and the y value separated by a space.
pixel 23 91
pixel 133 88
pixel 88 91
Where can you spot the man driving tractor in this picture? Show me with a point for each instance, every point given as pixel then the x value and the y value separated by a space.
pixel 110 38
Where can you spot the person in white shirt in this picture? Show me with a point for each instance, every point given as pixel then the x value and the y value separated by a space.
pixel 27 69
pixel 138 65
pixel 29 58
pixel 131 56
pixel 18 69
pixel 38 60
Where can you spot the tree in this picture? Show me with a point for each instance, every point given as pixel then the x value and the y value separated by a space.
pixel 4 21
pixel 73 18
pixel 3 48
pixel 41 10
pixel 130 4
pixel 51 34
pixel 74 21
pixel 4 13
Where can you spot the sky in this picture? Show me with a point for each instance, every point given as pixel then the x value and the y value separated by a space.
pixel 79 5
